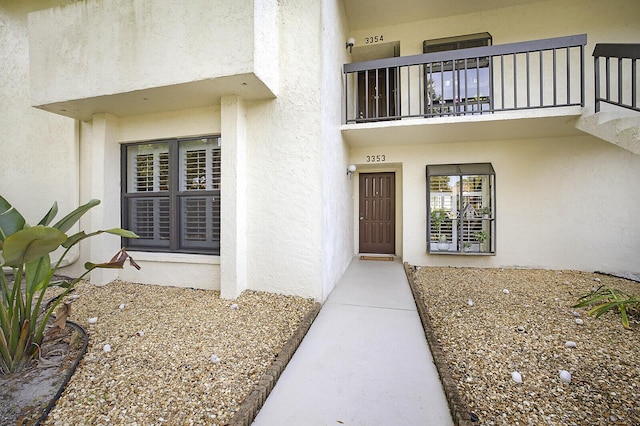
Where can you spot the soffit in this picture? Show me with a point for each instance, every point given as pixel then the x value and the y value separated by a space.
pixel 516 125
pixel 363 14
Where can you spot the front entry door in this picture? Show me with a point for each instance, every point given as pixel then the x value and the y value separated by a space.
pixel 377 213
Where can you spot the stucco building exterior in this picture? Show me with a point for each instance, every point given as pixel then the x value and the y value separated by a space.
pixel 225 134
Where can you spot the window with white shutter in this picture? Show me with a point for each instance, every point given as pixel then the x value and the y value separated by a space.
pixel 461 209
pixel 171 195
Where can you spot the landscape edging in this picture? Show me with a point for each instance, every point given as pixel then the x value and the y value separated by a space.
pixel 459 409
pixel 83 350
pixel 254 401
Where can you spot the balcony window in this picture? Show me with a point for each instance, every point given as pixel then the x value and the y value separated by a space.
pixel 457 86
pixel 171 195
pixel 461 209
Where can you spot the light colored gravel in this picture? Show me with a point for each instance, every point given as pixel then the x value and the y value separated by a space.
pixel 166 375
pixel 483 346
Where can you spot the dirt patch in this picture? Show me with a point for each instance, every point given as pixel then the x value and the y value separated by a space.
pixel 25 397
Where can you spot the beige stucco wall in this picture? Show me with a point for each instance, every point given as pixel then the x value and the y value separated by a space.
pixel 38 151
pixel 337 193
pixel 560 203
pixel 295 224
pixel 276 220
pixel 284 164
pixel 100 144
pixel 160 43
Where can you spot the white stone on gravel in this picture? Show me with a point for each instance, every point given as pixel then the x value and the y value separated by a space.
pixel 565 376
pixel 92 320
pixel 579 321
pixel 505 291
pixel 234 306
pixel 576 314
pixel 470 302
pixel 215 359
pixel 121 307
pixel 570 344
pixel 106 348
pixel 516 377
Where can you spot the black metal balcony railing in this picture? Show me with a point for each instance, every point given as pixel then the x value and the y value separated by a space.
pixel 620 66
pixel 533 74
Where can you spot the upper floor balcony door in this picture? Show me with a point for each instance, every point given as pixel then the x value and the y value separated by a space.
pixel 378 89
pixel 377 93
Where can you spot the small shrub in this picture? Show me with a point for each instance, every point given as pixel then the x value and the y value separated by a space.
pixel 606 298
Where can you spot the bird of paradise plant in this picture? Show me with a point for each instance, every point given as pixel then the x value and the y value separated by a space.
pixel 27 272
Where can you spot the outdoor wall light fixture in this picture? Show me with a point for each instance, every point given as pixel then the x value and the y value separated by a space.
pixel 350 42
pixel 352 168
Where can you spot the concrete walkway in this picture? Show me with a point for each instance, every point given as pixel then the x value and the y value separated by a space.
pixel 364 361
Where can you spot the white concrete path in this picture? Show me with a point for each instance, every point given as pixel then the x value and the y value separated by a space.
pixel 364 361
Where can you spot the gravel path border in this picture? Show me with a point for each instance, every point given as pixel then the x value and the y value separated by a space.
pixel 459 409
pixel 253 403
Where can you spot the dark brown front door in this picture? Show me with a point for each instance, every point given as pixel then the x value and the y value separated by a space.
pixel 377 213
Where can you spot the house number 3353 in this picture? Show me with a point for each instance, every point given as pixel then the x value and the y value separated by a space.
pixel 378 158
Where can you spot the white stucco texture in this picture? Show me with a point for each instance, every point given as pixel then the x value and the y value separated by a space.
pixel 152 55
pixel 560 203
pixel 266 75
pixel 39 151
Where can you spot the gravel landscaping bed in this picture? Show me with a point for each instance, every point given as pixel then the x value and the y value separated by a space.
pixel 175 356
pixel 493 322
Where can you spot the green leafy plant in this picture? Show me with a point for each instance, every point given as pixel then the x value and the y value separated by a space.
pixel 438 217
pixel 27 272
pixel 480 236
pixel 606 298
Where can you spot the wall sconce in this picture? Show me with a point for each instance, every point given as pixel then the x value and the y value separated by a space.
pixel 350 42
pixel 352 168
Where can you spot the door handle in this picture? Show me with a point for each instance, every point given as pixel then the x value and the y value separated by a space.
pixel 361 217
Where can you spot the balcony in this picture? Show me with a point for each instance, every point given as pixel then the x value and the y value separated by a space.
pixel 616 97
pixel 515 85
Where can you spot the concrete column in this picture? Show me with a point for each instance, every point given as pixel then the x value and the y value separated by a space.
pixel 233 244
pixel 105 186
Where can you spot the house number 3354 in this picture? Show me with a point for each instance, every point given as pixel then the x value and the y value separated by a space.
pixel 378 158
pixel 373 39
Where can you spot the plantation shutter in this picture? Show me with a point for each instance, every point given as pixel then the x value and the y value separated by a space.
pixel 200 193
pixel 171 195
pixel 461 208
pixel 148 215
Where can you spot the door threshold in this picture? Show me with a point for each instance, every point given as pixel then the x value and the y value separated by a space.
pixel 376 256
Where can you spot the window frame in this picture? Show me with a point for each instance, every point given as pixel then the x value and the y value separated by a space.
pixel 436 102
pixel 177 195
pixel 470 216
